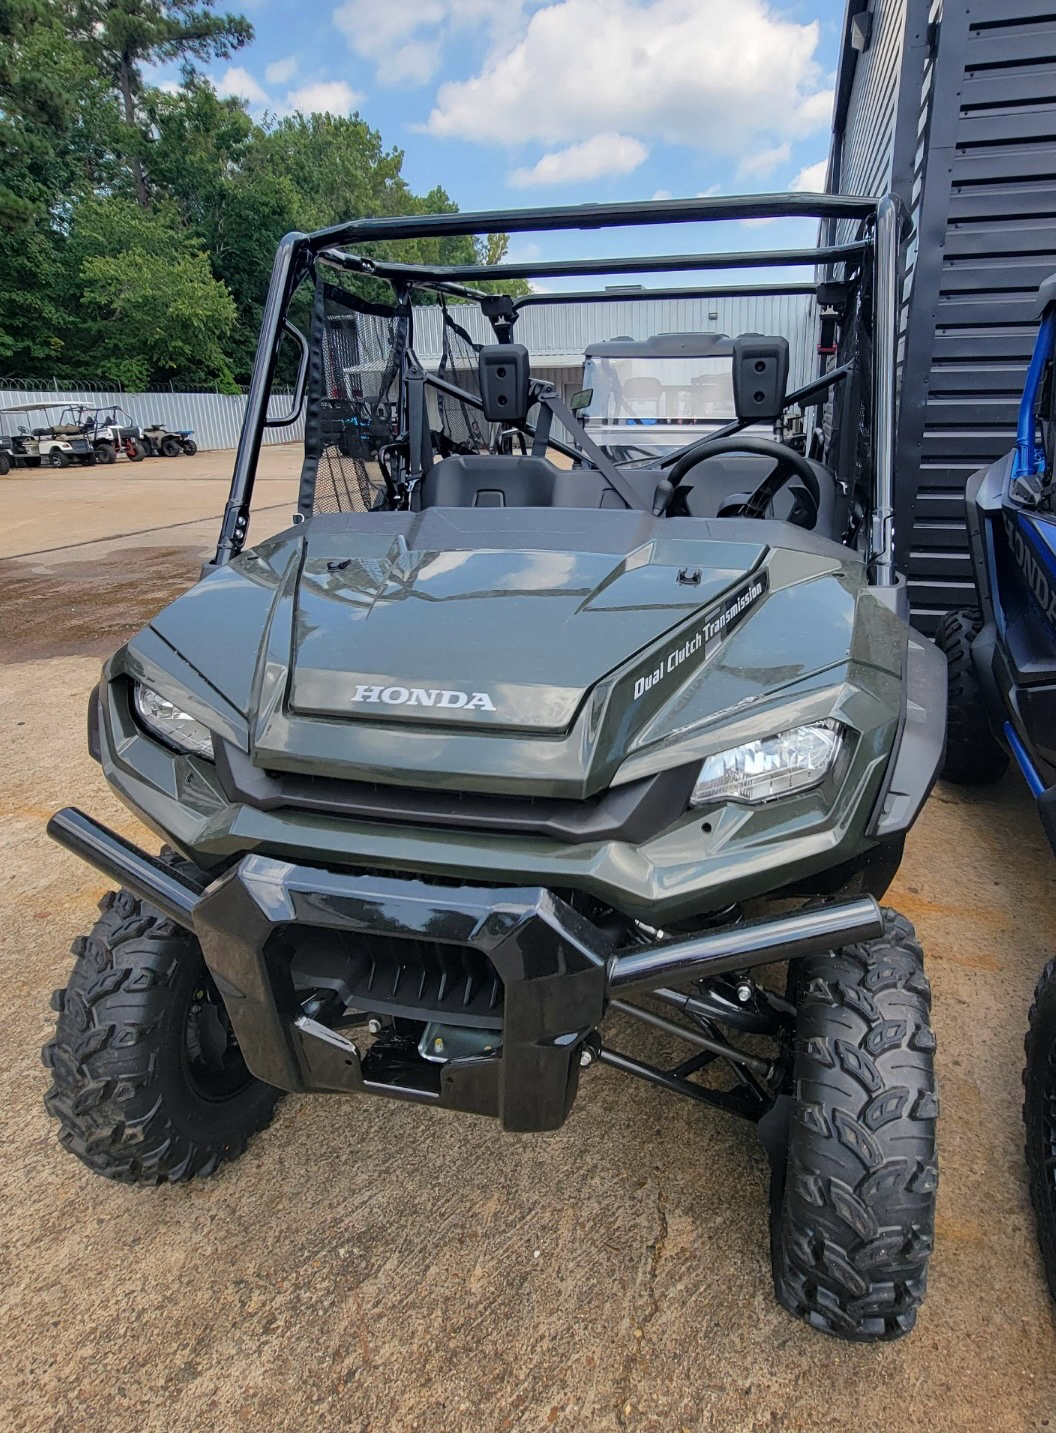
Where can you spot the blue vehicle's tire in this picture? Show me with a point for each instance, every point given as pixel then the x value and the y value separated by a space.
pixel 854 1222
pixel 1039 1115
pixel 973 755
pixel 148 1084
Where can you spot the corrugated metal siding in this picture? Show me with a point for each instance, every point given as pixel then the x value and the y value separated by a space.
pixel 869 128
pixel 215 417
pixel 988 226
pixel 555 337
pixel 562 331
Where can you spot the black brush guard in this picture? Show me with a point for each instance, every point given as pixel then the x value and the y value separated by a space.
pixel 558 971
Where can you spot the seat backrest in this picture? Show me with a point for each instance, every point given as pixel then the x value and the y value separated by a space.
pixel 468 480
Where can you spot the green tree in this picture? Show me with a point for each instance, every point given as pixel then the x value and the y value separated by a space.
pixel 147 306
pixel 55 119
pixel 137 227
pixel 121 36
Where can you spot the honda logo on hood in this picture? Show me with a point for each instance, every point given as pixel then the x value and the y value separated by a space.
pixel 423 697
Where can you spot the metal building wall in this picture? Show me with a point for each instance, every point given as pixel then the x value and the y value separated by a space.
pixel 987 237
pixel 557 334
pixel 953 107
pixel 867 95
pixel 554 335
pixel 215 417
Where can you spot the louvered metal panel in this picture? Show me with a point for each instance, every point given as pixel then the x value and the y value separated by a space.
pixel 971 148
pixel 989 214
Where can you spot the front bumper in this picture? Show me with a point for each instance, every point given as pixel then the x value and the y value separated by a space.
pixel 555 971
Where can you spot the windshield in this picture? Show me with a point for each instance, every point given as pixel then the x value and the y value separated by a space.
pixel 655 390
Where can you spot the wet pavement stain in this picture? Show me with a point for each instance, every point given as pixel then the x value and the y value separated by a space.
pixel 87 608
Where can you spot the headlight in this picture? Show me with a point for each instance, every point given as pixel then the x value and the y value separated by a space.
pixel 175 727
pixel 776 766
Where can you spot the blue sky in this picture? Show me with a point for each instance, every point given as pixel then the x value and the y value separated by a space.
pixel 523 102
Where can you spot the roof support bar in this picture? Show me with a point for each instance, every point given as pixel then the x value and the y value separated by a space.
pixel 636 264
pixel 597 216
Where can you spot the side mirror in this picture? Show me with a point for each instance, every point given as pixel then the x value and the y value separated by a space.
pixel 760 378
pixel 582 400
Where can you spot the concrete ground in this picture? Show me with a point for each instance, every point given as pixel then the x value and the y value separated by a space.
pixel 370 1266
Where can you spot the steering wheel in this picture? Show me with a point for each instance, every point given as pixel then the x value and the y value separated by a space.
pixel 788 465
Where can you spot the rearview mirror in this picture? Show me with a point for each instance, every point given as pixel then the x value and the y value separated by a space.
pixel 581 400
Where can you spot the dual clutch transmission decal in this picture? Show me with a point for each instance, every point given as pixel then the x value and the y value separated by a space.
pixel 701 640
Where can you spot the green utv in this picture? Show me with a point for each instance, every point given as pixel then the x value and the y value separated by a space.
pixel 506 733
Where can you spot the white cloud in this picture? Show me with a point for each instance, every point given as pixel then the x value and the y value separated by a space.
pixel 412 64
pixel 601 154
pixel 238 83
pixel 765 161
pixel 662 194
pixel 405 39
pixel 324 97
pixel 281 72
pixel 706 73
pixel 811 179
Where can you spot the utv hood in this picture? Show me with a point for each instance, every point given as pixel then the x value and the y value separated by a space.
pixel 483 650
pixel 501 638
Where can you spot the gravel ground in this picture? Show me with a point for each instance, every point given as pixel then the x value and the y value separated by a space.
pixel 371 1266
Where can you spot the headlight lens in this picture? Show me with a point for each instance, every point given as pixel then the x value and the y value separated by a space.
pixel 776 766
pixel 177 728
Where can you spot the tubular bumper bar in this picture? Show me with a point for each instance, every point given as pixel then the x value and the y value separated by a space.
pixel 557 968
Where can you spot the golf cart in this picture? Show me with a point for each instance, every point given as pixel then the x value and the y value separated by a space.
pixel 494 759
pixel 52 444
pixel 110 430
pixel 166 442
pixel 1002 689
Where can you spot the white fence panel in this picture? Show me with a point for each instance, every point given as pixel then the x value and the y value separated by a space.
pixel 216 418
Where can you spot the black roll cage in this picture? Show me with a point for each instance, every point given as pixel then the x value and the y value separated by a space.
pixel 882 231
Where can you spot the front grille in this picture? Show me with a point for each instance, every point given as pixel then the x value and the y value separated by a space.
pixel 634 812
pixel 417 979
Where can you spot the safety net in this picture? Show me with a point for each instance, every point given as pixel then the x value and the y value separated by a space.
pixel 358 350
pixel 356 355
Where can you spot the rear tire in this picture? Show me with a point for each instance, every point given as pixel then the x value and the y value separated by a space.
pixel 854 1223
pixel 171 447
pixel 5 464
pixel 105 453
pixel 190 447
pixel 148 1084
pixel 973 755
pixel 136 451
pixel 1039 1115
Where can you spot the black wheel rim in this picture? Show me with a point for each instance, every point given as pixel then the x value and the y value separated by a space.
pixel 212 1061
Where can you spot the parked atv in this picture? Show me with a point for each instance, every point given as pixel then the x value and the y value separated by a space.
pixel 110 430
pixel 169 442
pixel 505 746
